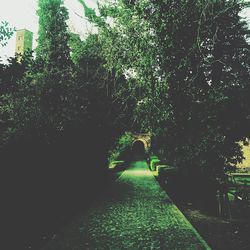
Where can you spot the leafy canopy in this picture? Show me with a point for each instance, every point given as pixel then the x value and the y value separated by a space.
pixel 187 64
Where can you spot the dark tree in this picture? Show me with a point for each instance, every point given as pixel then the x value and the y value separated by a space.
pixel 187 63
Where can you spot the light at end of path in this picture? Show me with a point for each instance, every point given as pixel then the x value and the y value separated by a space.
pixel 138 173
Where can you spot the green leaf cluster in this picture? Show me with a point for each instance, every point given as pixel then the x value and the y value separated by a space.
pixel 53 34
pixel 6 33
pixel 122 147
pixel 187 68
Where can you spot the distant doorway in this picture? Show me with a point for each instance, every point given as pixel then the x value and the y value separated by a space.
pixel 138 150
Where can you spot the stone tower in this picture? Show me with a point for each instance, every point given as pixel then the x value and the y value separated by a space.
pixel 24 40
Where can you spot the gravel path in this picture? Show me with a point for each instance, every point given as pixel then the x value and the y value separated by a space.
pixel 134 214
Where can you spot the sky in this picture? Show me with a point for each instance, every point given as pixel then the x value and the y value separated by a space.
pixel 22 14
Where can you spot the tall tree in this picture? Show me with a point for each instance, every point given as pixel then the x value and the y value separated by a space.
pixel 188 67
pixel 53 35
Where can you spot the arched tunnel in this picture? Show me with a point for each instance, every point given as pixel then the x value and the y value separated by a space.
pixel 139 150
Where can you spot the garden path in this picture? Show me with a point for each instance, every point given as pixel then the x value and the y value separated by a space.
pixel 134 214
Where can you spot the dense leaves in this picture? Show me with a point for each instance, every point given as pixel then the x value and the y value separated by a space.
pixel 122 150
pixel 53 36
pixel 187 63
pixel 177 69
pixel 5 33
pixel 59 119
pixel 64 93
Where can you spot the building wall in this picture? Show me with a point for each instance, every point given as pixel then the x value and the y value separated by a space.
pixel 24 39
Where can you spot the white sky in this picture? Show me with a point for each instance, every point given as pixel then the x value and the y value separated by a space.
pixel 22 14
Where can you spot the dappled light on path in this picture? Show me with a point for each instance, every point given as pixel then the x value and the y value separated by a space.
pixel 136 171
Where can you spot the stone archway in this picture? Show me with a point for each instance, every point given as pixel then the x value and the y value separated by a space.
pixel 140 146
pixel 143 138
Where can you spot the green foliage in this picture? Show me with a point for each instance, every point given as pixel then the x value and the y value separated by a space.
pixel 5 33
pixel 48 96
pixel 154 163
pixel 58 117
pixel 52 96
pixel 102 84
pixel 179 70
pixel 187 67
pixel 14 71
pixel 53 36
pixel 47 102
pixel 91 14
pixel 122 147
pixel 11 73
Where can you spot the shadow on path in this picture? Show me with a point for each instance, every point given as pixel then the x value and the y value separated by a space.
pixel 134 214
